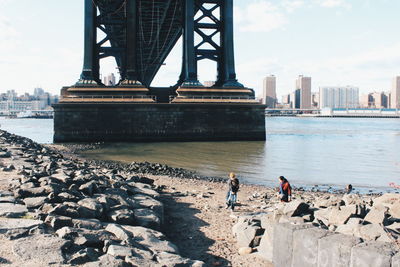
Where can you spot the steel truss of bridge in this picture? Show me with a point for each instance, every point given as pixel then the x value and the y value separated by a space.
pixel 139 35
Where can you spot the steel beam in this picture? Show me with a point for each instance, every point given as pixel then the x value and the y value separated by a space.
pixel 90 70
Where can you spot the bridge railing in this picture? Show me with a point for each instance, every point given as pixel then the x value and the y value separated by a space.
pixel 108 97
pixel 205 98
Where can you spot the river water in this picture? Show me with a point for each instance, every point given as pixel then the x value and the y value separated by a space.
pixel 308 151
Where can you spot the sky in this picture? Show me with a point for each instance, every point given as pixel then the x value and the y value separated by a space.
pixel 336 42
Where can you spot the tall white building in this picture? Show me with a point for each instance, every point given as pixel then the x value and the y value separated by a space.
pixel 109 80
pixel 395 94
pixel 339 97
pixel 269 91
pixel 304 85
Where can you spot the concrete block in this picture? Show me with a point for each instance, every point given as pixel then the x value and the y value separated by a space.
pixel 335 250
pixel 265 249
pixel 283 242
pixel 396 260
pixel 305 246
pixel 372 254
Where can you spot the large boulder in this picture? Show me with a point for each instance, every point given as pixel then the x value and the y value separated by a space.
pixel 378 215
pixel 296 208
pixel 40 250
pixel 387 200
pixel 372 254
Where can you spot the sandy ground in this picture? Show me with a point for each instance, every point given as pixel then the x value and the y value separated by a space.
pixel 200 225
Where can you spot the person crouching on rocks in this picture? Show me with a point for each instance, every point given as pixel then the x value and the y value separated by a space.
pixel 231 196
pixel 285 190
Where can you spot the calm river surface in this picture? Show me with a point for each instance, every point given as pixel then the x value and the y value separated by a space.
pixel 308 151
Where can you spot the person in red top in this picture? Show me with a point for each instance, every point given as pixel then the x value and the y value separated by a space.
pixel 285 190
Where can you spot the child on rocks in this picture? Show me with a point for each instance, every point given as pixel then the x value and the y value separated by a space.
pixel 231 196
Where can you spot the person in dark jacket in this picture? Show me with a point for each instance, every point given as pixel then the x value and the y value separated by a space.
pixel 285 190
pixel 231 196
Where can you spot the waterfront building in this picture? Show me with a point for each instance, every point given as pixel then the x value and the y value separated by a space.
pixel 365 101
pixel 286 99
pixel 303 84
pixel 37 92
pixel 379 100
pixel 209 83
pixel 109 80
pixel 339 97
pixel 11 103
pixel 315 100
pixel 395 94
pixel 269 91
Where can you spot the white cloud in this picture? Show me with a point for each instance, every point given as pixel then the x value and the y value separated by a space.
pixel 334 3
pixel 260 16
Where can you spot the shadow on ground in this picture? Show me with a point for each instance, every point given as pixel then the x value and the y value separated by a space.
pixel 181 226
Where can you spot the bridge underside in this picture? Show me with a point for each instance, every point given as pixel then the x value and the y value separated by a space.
pixel 140 34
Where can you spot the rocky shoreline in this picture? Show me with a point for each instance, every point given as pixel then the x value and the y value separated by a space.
pixel 66 211
pixel 57 208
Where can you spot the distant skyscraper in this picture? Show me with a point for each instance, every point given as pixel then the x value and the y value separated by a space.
pixel 395 94
pixel 339 97
pixel 109 80
pixel 269 91
pixel 209 83
pixel 304 85
pixel 38 92
pixel 379 100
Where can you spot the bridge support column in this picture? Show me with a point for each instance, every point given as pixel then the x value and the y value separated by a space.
pixel 189 64
pixel 90 72
pixel 228 76
pixel 130 75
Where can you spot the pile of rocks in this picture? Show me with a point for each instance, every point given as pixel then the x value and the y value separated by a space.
pixel 369 218
pixel 64 211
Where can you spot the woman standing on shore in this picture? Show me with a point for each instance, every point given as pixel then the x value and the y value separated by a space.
pixel 285 190
pixel 231 196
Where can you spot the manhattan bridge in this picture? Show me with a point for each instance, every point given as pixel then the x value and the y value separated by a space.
pixel 139 35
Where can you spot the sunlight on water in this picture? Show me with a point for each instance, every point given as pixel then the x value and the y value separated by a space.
pixel 364 152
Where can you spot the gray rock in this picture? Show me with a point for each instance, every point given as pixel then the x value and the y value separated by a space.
pixel 245 233
pixel 296 208
pixel 9 226
pixel 374 232
pixel 305 246
pixel 122 216
pixel 66 209
pixel 93 208
pixel 118 231
pixel 342 214
pixel 66 233
pixel 395 210
pixel 91 224
pixel 396 260
pixel 5 154
pixel 335 250
pixel 107 261
pixel 372 254
pixel 378 215
pixel 84 255
pixel 167 259
pixel 147 218
pixel 88 188
pixel 119 251
pixel 58 222
pixel 154 240
pixel 40 250
pixel 7 199
pixel 34 202
pixel 12 210
pixel 245 250
pixel 387 200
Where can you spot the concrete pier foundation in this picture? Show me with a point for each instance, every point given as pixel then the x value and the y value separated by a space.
pixel 141 122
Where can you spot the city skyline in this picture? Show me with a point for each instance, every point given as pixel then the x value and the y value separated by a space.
pixel 271 37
